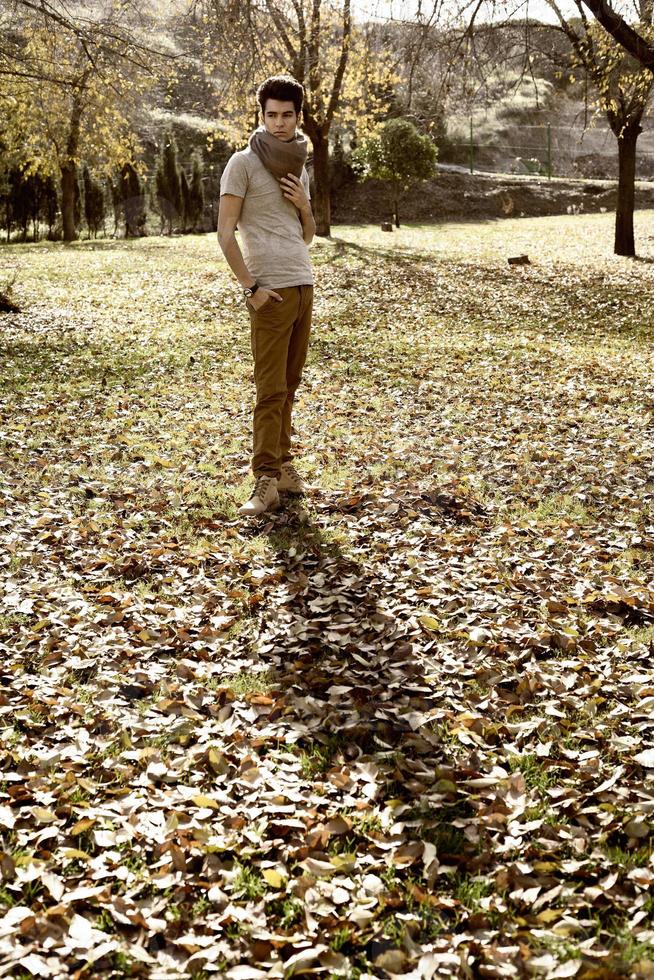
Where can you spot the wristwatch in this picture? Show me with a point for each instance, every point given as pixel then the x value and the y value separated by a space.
pixel 250 290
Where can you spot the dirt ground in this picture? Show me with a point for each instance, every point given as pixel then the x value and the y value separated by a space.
pixel 473 196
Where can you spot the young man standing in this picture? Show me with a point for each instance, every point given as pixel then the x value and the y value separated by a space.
pixel 264 190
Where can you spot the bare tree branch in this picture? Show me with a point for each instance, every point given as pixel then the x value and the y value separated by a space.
pixel 338 78
pixel 281 30
pixel 106 36
pixel 314 48
pixel 425 27
pixel 302 35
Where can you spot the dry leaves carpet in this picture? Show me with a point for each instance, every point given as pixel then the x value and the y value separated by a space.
pixel 403 727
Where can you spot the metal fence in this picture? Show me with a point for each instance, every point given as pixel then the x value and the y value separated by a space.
pixel 547 150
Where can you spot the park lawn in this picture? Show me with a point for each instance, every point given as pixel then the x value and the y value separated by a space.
pixel 402 726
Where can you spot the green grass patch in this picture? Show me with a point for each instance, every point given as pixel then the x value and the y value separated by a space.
pixel 554 509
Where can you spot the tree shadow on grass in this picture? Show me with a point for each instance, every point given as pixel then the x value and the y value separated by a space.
pixel 342 248
pixel 537 299
pixel 92 244
pixel 64 355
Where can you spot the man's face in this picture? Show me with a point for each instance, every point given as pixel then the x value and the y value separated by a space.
pixel 280 119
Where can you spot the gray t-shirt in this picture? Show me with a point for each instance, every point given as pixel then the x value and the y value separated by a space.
pixel 270 226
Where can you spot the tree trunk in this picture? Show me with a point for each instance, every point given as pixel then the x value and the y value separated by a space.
pixel 68 178
pixel 69 171
pixel 396 201
pixel 624 213
pixel 321 202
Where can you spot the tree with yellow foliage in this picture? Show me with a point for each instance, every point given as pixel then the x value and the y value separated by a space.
pixel 317 43
pixel 623 90
pixel 639 44
pixel 69 107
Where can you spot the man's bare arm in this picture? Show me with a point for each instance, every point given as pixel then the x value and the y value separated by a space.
pixel 228 214
pixel 308 224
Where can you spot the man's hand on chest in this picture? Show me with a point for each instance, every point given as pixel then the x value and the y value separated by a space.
pixel 293 190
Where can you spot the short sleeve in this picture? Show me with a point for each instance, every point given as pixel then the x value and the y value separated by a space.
pixel 234 179
pixel 304 177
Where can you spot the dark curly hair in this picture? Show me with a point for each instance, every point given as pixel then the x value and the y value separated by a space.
pixel 284 88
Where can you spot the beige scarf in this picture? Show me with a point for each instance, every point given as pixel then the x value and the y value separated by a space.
pixel 278 156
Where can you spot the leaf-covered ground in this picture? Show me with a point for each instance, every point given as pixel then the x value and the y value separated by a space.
pixel 404 726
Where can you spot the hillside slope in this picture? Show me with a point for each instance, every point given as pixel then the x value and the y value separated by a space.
pixel 460 195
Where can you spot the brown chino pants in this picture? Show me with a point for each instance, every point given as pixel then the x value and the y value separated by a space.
pixel 280 340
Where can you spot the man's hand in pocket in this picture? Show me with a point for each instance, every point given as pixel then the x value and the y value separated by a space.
pixel 262 296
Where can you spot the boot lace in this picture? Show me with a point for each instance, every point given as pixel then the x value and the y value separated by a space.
pixel 261 486
pixel 291 471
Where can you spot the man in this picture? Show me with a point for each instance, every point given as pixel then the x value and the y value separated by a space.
pixel 264 190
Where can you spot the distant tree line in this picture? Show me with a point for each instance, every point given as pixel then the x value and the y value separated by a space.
pixel 30 202
pixel 74 88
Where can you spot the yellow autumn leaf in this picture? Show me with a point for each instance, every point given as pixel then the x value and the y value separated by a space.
pixel 274 879
pixel 73 853
pixel 343 861
pixel 205 801
pixel 42 815
pixel 82 825
pixel 549 915
pixel 217 761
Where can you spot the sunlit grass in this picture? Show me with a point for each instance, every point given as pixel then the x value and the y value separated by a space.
pixel 571 239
